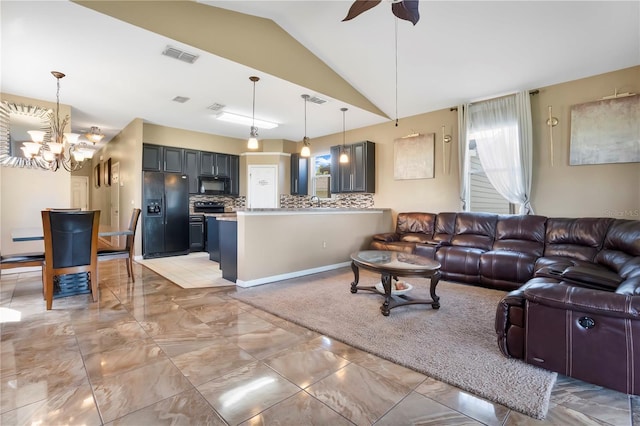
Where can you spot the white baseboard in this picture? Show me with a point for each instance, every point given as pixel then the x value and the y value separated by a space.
pixel 266 280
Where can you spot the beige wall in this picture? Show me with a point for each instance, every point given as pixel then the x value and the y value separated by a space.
pixel 272 246
pixel 25 192
pixel 563 190
pixel 169 136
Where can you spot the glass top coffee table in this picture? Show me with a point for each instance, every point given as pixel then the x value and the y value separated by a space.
pixel 391 265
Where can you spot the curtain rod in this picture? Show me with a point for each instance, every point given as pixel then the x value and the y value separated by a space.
pixel 531 92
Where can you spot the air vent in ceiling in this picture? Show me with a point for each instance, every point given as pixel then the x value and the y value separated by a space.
pixel 216 106
pixel 316 100
pixel 180 99
pixel 181 55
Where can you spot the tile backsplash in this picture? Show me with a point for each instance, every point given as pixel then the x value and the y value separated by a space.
pixel 230 203
pixel 354 201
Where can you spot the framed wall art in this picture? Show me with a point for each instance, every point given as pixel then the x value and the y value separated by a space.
pixel 413 157
pixel 96 176
pixel 605 131
pixel 107 172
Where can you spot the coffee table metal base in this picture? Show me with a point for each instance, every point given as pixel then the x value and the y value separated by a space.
pixel 393 301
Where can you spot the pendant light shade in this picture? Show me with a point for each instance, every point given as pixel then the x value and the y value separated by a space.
pixel 252 143
pixel 344 157
pixel 306 145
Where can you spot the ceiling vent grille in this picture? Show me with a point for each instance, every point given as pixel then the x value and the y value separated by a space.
pixel 180 99
pixel 181 55
pixel 316 100
pixel 216 106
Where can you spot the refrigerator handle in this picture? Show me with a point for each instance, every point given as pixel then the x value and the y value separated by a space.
pixel 164 211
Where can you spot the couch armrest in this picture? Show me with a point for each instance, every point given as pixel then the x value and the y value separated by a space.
pixel 568 297
pixel 593 276
pixel 387 237
pixel 630 287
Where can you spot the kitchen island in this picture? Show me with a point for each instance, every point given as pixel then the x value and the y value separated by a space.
pixel 277 244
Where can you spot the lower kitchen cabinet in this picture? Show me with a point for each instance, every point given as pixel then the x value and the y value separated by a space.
pixel 213 239
pixel 196 233
pixel 229 249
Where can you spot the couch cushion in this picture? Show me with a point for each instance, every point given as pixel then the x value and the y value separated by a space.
pixel 475 230
pixel 416 223
pixel 579 238
pixel 621 244
pixel 520 233
pixel 415 238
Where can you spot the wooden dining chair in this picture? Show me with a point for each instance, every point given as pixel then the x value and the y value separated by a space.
pixel 70 247
pixel 125 252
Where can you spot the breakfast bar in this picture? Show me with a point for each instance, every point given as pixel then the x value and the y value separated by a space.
pixel 317 239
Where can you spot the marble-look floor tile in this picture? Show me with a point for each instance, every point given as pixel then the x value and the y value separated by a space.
pixel 41 382
pixel 121 394
pixel 216 314
pixel 417 409
pixel 265 342
pixel 123 358
pixel 176 323
pixel 305 364
pixel 358 394
pixel 212 361
pixel 237 325
pixel 634 402
pixel 557 415
pixel 487 412
pixel 300 409
pixel 246 392
pixel 595 401
pixel 74 406
pixel 186 408
pixel 388 369
pixel 110 336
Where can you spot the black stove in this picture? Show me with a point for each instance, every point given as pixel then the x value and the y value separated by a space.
pixel 208 207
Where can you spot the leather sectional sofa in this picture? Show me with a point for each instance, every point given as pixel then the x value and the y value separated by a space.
pixel 573 301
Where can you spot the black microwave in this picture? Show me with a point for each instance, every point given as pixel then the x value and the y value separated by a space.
pixel 214 185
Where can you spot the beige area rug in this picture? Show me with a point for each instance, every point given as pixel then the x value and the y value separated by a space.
pixel 455 344
pixel 194 270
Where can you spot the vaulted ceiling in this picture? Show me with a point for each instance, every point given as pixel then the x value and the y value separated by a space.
pixel 457 52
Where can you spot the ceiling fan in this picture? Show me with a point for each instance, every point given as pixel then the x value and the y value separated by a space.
pixel 403 9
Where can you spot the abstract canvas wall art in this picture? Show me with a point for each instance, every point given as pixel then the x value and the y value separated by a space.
pixel 606 131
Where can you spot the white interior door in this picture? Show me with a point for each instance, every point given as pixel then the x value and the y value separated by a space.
pixel 262 192
pixel 80 192
pixel 114 205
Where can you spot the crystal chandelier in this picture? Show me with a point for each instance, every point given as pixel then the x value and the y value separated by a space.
pixel 52 148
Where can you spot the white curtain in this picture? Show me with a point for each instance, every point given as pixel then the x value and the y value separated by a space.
pixel 463 158
pixel 502 130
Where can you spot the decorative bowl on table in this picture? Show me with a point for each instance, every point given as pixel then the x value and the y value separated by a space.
pixel 397 287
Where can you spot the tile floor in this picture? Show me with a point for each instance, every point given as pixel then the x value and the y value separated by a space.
pixel 153 353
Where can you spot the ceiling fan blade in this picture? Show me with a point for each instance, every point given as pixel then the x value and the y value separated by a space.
pixel 360 6
pixel 407 10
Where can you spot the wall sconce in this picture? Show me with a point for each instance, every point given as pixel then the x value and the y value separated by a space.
pixel 551 123
pixel 445 158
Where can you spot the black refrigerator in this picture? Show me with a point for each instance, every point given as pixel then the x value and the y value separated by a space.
pixel 165 214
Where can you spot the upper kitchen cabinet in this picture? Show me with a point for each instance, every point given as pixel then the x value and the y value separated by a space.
pixel 190 161
pixel 359 174
pixel 152 158
pixel 234 174
pixel 161 158
pixel 172 159
pixel 214 164
pixel 299 174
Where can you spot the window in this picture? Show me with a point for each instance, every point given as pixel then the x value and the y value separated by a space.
pixel 321 176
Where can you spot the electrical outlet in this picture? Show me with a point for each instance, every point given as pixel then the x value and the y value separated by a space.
pixel 324 244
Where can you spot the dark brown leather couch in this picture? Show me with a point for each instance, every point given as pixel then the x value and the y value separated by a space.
pixel 574 285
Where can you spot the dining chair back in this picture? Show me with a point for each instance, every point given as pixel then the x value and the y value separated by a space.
pixel 125 252
pixel 70 247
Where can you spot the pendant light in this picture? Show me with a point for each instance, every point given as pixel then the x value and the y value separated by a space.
pixel 252 143
pixel 344 157
pixel 306 150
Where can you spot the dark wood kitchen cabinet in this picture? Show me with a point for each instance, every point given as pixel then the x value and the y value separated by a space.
pixel 299 174
pixel 190 160
pixel 152 158
pixel 214 164
pixel 234 174
pixel 172 159
pixel 213 238
pixel 359 174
